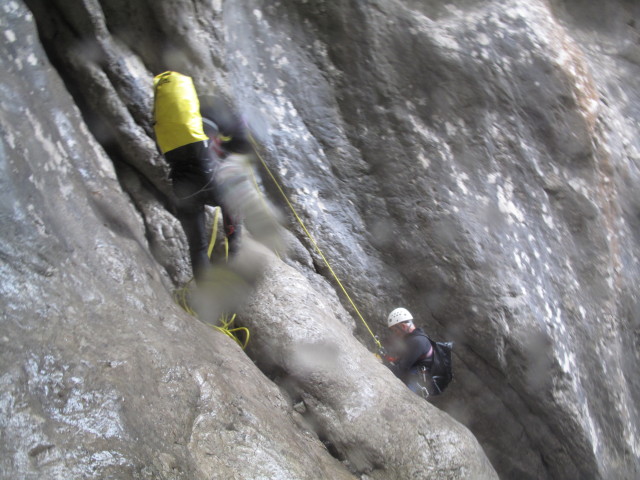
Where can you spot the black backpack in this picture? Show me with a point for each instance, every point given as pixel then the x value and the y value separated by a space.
pixel 442 367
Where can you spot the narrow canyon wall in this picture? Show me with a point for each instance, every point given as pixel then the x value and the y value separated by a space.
pixel 474 161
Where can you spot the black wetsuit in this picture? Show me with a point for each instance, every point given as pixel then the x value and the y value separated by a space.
pixel 193 175
pixel 413 351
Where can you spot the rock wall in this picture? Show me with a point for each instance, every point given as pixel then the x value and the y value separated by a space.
pixel 473 161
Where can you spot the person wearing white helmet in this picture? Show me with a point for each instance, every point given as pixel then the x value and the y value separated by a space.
pixel 411 353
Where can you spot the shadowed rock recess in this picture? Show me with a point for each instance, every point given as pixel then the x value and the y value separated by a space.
pixel 475 161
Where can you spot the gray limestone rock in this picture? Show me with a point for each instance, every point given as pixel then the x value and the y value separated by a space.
pixel 474 161
pixel 352 402
pixel 102 374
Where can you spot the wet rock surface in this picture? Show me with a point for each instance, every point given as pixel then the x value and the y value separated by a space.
pixel 370 420
pixel 474 161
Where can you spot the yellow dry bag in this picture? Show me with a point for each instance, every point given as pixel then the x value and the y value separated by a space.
pixel 177 119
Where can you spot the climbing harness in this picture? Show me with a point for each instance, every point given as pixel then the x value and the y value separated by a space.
pixel 311 239
pixel 426 380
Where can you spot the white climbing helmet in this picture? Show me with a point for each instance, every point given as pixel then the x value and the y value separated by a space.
pixel 398 315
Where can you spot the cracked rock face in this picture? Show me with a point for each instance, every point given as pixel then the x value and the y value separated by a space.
pixel 355 404
pixel 103 375
pixel 476 162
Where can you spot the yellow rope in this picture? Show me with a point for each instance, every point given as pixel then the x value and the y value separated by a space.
pixel 231 332
pixel 214 233
pixel 315 245
pixel 180 296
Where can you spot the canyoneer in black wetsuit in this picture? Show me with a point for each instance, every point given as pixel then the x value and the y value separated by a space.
pixel 194 152
pixel 411 353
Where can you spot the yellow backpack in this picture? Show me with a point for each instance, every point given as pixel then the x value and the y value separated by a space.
pixel 177 119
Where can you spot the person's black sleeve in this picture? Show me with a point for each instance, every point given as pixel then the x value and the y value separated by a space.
pixel 229 123
pixel 415 348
